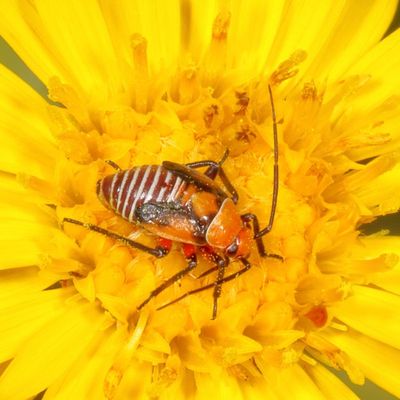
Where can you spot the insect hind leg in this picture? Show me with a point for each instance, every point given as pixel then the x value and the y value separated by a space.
pixel 215 169
pixel 158 251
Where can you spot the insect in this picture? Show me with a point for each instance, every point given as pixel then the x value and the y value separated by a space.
pixel 178 203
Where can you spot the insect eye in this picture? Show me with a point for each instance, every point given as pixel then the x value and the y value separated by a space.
pixel 232 249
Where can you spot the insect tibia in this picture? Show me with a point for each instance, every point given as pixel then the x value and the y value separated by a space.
pixel 272 255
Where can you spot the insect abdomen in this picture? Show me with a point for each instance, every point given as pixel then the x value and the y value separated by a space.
pixel 126 191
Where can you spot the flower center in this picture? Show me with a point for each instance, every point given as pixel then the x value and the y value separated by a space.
pixel 269 315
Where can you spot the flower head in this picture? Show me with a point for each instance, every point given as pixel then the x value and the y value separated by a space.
pixel 139 83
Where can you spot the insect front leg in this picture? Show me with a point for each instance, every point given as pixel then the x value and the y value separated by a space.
pixel 190 254
pixel 256 228
pixel 159 251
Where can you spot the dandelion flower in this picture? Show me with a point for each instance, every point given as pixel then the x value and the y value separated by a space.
pixel 140 82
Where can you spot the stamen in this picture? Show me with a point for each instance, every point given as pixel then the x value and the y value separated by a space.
pixel 116 372
pixel 141 72
pixel 139 50
pixel 287 69
pixel 221 25
pixel 68 97
pixel 215 59
pixel 186 86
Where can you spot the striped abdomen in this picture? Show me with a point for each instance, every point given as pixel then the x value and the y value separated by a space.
pixel 128 190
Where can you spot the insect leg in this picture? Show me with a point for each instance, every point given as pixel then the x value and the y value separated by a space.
pixel 221 264
pixel 228 278
pixel 276 172
pixel 259 241
pixel 215 169
pixel 158 251
pixel 114 165
pixel 192 263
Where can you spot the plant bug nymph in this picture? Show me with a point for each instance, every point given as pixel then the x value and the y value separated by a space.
pixel 178 203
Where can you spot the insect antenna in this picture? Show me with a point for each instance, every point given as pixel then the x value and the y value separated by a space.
pixel 276 171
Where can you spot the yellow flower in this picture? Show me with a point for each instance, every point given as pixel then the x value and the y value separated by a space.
pixel 141 82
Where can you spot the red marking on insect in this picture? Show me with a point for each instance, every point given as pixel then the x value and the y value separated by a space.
pixel 166 244
pixel 318 315
pixel 188 250
pixel 178 203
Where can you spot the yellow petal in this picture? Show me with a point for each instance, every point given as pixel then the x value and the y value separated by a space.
pixel 17 253
pixel 347 40
pixel 379 362
pixel 384 77
pixel 259 389
pixel 85 378
pixel 221 386
pixel 148 20
pixel 292 382
pixel 329 384
pixel 373 312
pixel 380 195
pixel 23 315
pixel 19 31
pixel 24 129
pixel 308 33
pixel 193 355
pixel 86 60
pixel 48 353
pixel 14 282
pixel 27 227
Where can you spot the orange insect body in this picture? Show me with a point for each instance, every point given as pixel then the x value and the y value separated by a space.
pixel 178 203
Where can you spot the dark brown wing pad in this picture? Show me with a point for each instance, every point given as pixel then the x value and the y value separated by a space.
pixel 196 178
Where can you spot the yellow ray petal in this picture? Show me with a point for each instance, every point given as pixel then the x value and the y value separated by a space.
pixel 380 195
pixel 22 316
pixel 16 253
pixel 372 312
pixel 330 385
pixel 86 60
pixel 257 390
pixel 374 187
pixel 292 382
pixel 19 31
pixel 50 352
pixel 222 386
pixel 373 116
pixel 193 355
pixel 196 26
pixel 85 378
pixel 379 362
pixel 381 63
pixel 136 382
pixel 13 282
pixel 252 30
pixel 157 21
pixel 23 241
pixel 24 129
pixel 308 32
pixel 347 40
pixel 88 57
pixel 372 247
